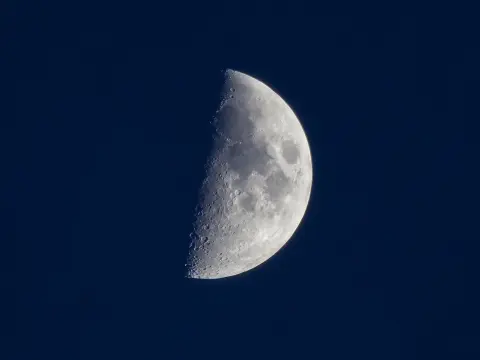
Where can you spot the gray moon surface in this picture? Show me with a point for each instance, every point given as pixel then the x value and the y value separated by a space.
pixel 257 185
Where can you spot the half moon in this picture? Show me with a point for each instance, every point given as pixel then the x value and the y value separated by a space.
pixel 257 185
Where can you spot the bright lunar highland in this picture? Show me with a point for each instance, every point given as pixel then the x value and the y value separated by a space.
pixel 257 185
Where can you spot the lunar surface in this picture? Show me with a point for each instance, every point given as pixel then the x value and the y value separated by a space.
pixel 257 185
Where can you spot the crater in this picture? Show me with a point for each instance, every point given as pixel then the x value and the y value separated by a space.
pixel 243 92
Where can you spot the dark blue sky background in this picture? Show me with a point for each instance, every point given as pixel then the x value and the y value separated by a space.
pixel 104 140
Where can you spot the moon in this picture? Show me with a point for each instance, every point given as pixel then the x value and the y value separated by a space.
pixel 257 185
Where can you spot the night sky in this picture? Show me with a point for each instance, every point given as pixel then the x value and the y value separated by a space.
pixel 104 136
